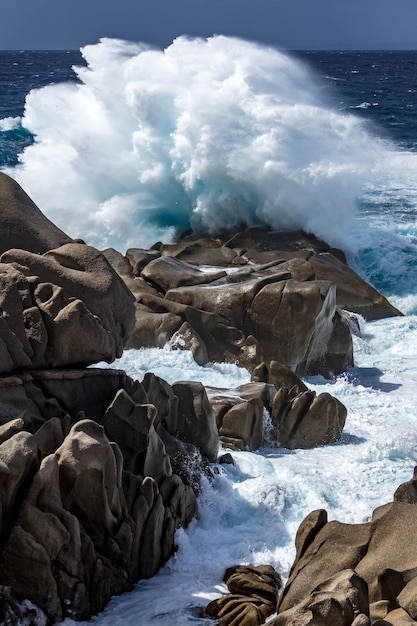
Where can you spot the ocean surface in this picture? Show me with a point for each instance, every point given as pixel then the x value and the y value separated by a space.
pixel 122 144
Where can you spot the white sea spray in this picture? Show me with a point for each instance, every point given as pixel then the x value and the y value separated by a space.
pixel 207 133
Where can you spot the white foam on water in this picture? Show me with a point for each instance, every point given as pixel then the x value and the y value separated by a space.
pixel 9 123
pixel 218 133
pixel 251 511
pixel 212 134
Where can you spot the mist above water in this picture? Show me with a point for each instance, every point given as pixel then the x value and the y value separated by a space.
pixel 209 134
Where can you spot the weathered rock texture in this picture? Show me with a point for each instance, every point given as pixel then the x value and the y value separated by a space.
pixel 65 307
pixel 342 600
pixel 382 552
pixel 343 575
pixel 255 297
pixel 89 499
pixel 97 471
pixel 252 597
pixel 22 224
pixel 285 413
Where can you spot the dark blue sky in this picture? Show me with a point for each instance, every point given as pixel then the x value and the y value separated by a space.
pixel 291 24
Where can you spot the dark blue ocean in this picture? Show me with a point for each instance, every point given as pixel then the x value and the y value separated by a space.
pixel 122 144
pixel 215 133
pixel 379 86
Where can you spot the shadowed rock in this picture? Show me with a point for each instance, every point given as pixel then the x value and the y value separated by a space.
pixel 296 419
pixel 15 612
pixel 82 517
pixel 66 307
pixel 251 297
pixel 22 224
pixel 252 598
pixel 382 552
pixel 342 600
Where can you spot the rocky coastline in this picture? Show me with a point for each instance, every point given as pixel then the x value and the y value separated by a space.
pixel 98 471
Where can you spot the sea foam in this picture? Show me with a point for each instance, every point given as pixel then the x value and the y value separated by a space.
pixel 250 511
pixel 208 134
pixel 213 134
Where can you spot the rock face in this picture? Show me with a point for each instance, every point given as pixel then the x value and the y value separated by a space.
pixel 285 414
pixel 343 575
pixel 89 505
pixel 259 296
pixel 22 224
pixel 252 597
pixel 65 307
pixel 342 600
pixel 382 552
pixel 97 471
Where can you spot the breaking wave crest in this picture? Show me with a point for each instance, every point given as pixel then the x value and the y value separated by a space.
pixel 208 134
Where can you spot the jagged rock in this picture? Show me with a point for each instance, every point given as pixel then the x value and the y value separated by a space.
pixel 18 464
pixel 382 552
pixel 186 459
pixel 15 612
pixel 297 419
pixel 262 296
pixel 158 319
pixel 407 492
pixel 278 375
pixel 260 581
pixel 196 422
pixel 252 598
pixel 138 258
pixel 89 502
pixel 292 322
pixel 186 338
pixel 240 414
pixel 95 516
pixel 306 420
pixel 353 293
pixel 153 328
pixel 66 307
pixel 94 479
pixel 339 354
pixel 341 600
pixel 161 394
pixel 122 266
pixel 77 539
pixel 130 425
pixel 235 610
pixel 22 224
pixel 51 435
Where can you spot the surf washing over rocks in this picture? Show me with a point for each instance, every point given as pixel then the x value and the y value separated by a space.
pixel 137 159
pixel 205 134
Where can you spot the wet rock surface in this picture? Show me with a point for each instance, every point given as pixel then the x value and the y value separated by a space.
pixel 98 471
pixel 253 297
pixel 89 506
pixel 345 574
